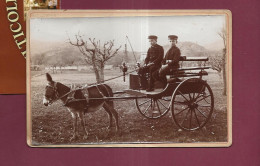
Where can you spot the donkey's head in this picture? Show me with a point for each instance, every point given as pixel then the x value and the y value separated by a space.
pixel 51 92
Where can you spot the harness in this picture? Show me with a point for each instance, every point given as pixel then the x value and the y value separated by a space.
pixel 58 97
pixel 100 92
pixel 84 89
pixel 71 94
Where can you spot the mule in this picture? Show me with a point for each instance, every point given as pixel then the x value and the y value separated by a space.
pixel 57 91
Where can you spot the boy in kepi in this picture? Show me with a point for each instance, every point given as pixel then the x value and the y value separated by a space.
pixel 152 63
pixel 170 61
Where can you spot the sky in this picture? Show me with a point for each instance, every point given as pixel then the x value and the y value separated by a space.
pixel 199 29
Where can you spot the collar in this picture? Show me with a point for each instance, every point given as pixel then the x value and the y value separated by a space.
pixel 155 45
pixel 172 47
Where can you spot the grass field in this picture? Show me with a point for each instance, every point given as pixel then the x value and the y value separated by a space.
pixel 53 124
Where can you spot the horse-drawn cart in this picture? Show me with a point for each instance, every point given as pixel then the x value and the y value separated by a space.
pixel 187 95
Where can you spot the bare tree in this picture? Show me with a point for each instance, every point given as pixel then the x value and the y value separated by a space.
pixel 218 62
pixel 96 56
pixel 52 63
pixel 223 35
pixel 61 64
pixel 38 59
pixel 64 60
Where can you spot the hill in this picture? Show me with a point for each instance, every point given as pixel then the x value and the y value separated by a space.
pixel 215 46
pixel 59 51
pixel 189 49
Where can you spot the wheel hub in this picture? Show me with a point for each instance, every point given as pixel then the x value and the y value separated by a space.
pixel 193 105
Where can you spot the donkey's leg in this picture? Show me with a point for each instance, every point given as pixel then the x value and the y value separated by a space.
pixel 107 109
pixel 75 125
pixel 81 115
pixel 113 111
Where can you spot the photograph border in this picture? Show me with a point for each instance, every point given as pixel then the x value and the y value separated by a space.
pixel 129 13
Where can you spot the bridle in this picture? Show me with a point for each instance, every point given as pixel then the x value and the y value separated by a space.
pixel 54 87
pixel 57 96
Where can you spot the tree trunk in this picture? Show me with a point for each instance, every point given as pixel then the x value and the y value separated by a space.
pixel 96 71
pixel 224 73
pixel 96 74
pixel 95 67
pixel 102 77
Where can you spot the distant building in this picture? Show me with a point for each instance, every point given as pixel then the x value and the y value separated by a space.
pixel 35 67
pixel 78 68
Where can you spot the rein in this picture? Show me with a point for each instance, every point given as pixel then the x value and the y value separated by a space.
pixel 91 85
pixel 114 77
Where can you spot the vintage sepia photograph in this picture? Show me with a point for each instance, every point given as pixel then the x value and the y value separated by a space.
pixel 129 78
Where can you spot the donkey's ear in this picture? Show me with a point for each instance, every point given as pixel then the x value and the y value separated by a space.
pixel 48 76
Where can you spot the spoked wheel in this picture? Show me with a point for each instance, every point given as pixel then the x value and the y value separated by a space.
pixel 153 108
pixel 192 104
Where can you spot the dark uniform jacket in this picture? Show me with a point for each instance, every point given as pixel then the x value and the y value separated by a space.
pixel 172 57
pixel 155 55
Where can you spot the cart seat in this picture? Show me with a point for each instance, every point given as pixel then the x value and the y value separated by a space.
pixel 184 58
pixel 173 80
pixel 174 72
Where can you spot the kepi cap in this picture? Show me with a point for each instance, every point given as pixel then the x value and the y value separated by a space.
pixel 173 37
pixel 152 37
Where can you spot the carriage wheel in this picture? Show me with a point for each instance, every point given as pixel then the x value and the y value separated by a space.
pixel 153 108
pixel 192 110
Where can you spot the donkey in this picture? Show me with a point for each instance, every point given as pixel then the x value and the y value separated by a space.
pixel 57 91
